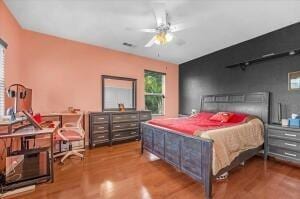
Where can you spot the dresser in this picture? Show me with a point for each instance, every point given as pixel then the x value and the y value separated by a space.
pixel 283 143
pixel 113 127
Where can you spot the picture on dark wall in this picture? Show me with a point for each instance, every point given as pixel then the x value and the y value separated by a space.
pixel 294 81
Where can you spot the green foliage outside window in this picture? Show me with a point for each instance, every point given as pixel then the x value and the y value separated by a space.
pixel 154 98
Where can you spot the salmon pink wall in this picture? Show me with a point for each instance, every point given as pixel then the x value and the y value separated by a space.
pixel 65 73
pixel 10 32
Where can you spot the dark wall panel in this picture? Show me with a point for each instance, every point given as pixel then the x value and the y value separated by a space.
pixel 208 75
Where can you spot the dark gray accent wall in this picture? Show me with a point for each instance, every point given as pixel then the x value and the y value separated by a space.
pixel 208 75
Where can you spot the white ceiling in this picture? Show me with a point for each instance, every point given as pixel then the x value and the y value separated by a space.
pixel 216 24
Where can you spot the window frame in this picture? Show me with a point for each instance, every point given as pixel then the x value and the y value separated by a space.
pixel 3 46
pixel 162 94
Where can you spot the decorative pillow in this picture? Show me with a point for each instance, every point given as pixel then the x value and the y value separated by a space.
pixel 238 118
pixel 222 116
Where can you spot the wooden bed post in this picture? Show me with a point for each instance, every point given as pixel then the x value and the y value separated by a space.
pixel 207 149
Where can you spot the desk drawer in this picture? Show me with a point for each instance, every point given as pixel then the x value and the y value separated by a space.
pixel 285 134
pixel 98 128
pixel 284 153
pixel 125 126
pixel 123 135
pixel 286 144
pixel 125 117
pixel 144 116
pixel 100 119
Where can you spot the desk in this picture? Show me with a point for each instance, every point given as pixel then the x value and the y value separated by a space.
pixel 31 131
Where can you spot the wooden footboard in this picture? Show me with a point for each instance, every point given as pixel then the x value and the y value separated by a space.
pixel 190 155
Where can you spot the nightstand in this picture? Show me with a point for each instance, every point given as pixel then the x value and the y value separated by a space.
pixel 283 143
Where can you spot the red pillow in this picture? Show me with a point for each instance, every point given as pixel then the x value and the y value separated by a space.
pixel 238 117
pixel 221 116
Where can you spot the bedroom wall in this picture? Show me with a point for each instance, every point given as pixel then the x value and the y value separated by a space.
pixel 208 75
pixel 65 73
pixel 10 32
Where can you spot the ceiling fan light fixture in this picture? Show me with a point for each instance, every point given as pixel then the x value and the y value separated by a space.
pixel 163 38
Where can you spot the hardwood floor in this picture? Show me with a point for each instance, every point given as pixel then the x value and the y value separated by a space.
pixel 120 172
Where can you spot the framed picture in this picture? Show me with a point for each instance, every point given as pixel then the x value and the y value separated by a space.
pixel 294 81
pixel 32 120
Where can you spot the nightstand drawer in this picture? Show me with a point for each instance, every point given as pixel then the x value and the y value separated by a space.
pixel 286 144
pixel 100 119
pixel 283 153
pixel 125 126
pixel 125 117
pixel 285 134
pixel 100 128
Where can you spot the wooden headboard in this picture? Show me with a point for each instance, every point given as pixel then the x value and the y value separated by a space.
pixel 250 103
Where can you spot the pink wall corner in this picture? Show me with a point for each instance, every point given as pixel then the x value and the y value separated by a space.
pixel 65 73
pixel 10 32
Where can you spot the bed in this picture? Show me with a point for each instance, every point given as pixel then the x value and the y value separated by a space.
pixel 194 155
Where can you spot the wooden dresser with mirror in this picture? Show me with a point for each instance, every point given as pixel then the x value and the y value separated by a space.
pixel 111 125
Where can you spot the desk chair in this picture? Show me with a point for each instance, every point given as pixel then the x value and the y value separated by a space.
pixel 68 133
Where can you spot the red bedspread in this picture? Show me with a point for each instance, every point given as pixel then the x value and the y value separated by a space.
pixel 189 125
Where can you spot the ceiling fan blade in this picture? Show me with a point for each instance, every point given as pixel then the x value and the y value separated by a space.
pixel 160 13
pixel 178 27
pixel 148 30
pixel 151 42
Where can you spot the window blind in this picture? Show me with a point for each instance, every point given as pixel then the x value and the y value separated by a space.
pixel 2 81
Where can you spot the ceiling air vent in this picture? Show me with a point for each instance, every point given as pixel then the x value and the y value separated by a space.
pixel 128 45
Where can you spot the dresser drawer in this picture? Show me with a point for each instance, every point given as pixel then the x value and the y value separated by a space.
pixel 285 134
pixel 122 135
pixel 286 144
pixel 144 116
pixel 284 153
pixel 100 119
pixel 98 128
pixel 125 126
pixel 125 117
pixel 100 137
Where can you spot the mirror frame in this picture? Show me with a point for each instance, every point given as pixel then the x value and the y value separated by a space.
pixel 290 74
pixel 134 87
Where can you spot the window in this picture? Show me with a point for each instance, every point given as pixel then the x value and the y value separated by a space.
pixel 2 83
pixel 154 92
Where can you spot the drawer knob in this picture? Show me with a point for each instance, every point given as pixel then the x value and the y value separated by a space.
pixel 290 135
pixel 100 127
pixel 133 132
pixel 290 154
pixel 117 126
pixel 118 117
pixel 101 118
pixel 117 135
pixel 101 136
pixel 288 144
pixel 132 124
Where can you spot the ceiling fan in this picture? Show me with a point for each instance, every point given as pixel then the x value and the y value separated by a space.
pixel 164 30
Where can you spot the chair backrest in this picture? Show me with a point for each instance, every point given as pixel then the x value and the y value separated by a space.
pixel 79 121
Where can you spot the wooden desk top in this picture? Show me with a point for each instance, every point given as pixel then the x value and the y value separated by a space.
pixel 31 131
pixel 6 123
pixel 61 114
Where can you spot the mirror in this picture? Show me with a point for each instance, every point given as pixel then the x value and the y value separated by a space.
pixel 294 81
pixel 118 90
